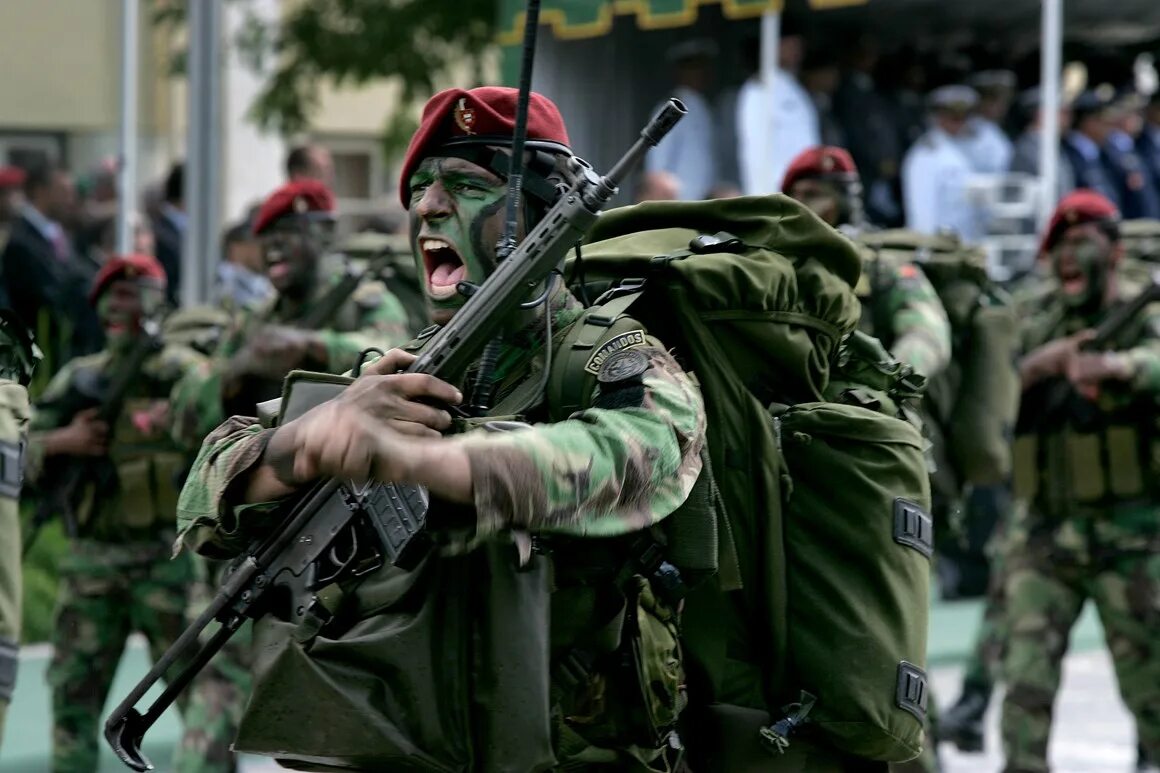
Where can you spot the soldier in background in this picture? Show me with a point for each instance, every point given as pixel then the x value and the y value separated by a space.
pixel 1087 502
pixel 117 576
pixel 296 227
pixel 18 358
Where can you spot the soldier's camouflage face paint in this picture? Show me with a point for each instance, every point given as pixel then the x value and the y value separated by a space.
pixel 457 212
pixel 290 258
pixel 122 306
pixel 1081 261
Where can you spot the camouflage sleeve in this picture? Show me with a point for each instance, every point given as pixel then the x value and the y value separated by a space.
pixel 205 521
pixel 922 332
pixel 617 467
pixel 382 325
pixel 196 399
pixel 196 404
pixel 1145 358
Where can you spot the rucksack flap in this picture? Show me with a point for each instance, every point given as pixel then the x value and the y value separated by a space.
pixel 775 284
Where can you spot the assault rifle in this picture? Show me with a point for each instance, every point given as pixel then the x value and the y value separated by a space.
pixel 1055 400
pixel 325 536
pixel 65 477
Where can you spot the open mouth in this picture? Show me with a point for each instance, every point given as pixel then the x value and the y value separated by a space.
pixel 1072 279
pixel 445 269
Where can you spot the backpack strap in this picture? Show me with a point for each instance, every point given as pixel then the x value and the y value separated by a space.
pixel 602 329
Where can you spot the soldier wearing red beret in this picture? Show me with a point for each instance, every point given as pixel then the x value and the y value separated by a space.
pixel 295 228
pixel 825 179
pixel 1086 484
pixel 117 577
pixel 417 677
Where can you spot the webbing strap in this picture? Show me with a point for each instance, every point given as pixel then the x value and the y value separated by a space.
pixel 569 383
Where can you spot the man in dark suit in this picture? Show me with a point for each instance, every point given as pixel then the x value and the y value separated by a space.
pixel 42 280
pixel 1084 145
pixel 1148 143
pixel 169 230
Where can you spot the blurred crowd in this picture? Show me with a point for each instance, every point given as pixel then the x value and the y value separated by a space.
pixel 918 130
pixel 58 227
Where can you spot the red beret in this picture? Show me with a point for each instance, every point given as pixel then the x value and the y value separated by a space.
pixel 820 161
pixel 1077 207
pixel 296 197
pixel 126 267
pixel 481 116
pixel 11 177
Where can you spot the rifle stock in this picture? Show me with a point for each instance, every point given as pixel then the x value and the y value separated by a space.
pixel 68 475
pixel 338 529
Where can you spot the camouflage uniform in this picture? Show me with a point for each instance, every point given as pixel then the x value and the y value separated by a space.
pixel 117 576
pixel 372 317
pixel 610 470
pixel 1084 526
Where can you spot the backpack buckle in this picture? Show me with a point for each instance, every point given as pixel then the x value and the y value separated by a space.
pixel 722 241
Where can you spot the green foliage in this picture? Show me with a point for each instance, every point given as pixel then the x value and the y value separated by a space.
pixel 353 42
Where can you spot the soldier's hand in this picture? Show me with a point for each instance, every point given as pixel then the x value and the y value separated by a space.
pixel 85 435
pixel 1090 369
pixel 1052 358
pixel 276 350
pixel 404 401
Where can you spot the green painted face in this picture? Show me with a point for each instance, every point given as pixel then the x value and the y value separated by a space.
pixel 1081 261
pixel 457 212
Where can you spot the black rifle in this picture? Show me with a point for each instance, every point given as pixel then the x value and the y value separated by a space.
pixel 325 534
pixel 1055 401
pixel 65 478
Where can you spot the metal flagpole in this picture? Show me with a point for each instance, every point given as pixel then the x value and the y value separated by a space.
pixel 1050 64
pixel 770 41
pixel 203 158
pixel 127 168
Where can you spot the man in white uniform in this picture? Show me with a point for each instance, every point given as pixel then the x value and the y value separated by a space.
pixel 775 121
pixel 935 170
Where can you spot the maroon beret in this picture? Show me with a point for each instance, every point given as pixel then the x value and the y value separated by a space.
pixel 126 267
pixel 480 116
pixel 294 198
pixel 823 161
pixel 1078 207
pixel 11 177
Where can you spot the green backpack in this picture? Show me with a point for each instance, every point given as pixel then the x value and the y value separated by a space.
pixel 971 406
pixel 816 621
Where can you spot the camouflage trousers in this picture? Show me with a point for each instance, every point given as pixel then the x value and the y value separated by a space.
pixel 216 696
pixel 107 592
pixel 1053 566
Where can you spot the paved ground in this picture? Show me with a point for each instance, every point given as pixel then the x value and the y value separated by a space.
pixel 1093 735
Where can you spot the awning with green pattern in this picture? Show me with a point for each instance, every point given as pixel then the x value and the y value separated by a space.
pixel 574 19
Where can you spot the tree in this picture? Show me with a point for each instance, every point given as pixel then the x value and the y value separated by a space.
pixel 353 42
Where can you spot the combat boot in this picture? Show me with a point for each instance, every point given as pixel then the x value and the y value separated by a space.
pixel 962 724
